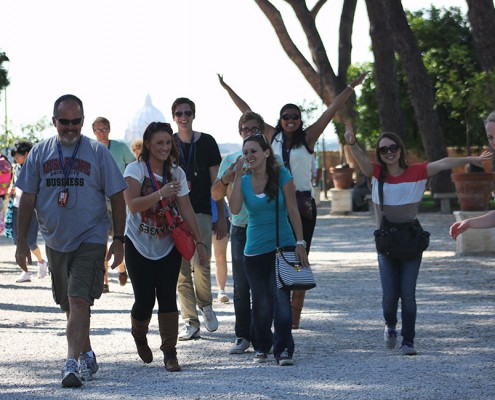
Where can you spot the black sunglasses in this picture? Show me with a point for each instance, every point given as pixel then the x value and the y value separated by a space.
pixel 257 136
pixel 393 148
pixel 292 117
pixel 254 130
pixel 64 121
pixel 179 113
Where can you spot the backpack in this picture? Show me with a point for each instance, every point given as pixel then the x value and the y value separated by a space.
pixel 5 175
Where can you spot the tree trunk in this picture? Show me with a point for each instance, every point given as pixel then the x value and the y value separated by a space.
pixel 420 90
pixel 320 75
pixel 387 89
pixel 481 14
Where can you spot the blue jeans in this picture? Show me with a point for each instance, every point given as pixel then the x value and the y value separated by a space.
pixel 282 322
pixel 260 272
pixel 242 295
pixel 399 279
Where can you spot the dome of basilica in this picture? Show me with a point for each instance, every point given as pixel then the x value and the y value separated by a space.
pixel 143 117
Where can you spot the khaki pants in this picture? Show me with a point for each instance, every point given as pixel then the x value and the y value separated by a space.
pixel 194 285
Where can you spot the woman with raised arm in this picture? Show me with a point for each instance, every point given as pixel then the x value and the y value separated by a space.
pixel 403 188
pixel 155 183
pixel 295 145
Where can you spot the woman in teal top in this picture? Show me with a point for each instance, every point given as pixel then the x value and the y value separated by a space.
pixel 258 179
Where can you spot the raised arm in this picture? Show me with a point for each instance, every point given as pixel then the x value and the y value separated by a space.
pixel 314 131
pixel 243 106
pixel 450 162
pixel 360 156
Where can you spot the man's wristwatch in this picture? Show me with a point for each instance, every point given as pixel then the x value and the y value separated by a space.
pixel 119 237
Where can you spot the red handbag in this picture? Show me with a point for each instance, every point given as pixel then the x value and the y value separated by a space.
pixel 182 236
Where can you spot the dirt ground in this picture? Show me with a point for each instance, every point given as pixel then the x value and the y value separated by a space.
pixel 340 352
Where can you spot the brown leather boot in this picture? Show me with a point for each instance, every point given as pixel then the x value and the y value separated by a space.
pixel 169 330
pixel 297 305
pixel 139 330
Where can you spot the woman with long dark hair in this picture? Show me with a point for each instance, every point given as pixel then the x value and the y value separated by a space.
pixel 156 183
pixel 261 184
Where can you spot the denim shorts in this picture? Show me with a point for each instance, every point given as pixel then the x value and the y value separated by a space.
pixel 77 274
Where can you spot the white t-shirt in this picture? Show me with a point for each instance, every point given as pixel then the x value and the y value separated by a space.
pixel 148 230
pixel 300 163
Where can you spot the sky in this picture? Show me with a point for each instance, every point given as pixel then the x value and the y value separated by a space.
pixel 113 54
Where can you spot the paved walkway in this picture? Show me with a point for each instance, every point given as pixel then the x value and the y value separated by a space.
pixel 339 348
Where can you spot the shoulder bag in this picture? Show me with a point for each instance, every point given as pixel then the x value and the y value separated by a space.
pixel 289 272
pixel 400 240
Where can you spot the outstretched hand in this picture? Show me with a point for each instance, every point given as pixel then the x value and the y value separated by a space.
pixel 220 79
pixel 480 160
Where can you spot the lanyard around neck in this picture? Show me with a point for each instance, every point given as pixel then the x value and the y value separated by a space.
pixel 181 149
pixel 67 170
pixel 154 182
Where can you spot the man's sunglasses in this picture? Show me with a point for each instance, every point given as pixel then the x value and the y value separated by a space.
pixel 292 117
pixel 63 121
pixel 393 148
pixel 179 113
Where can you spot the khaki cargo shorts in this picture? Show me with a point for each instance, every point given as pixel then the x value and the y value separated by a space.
pixel 77 274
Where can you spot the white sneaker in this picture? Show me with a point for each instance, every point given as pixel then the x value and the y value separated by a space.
pixel 222 297
pixel 209 319
pixel 189 332
pixel 240 346
pixel 24 277
pixel 42 269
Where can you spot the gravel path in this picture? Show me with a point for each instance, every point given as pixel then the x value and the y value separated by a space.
pixel 340 352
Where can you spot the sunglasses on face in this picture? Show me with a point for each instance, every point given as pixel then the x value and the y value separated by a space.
pixel 292 117
pixel 179 113
pixel 254 130
pixel 393 148
pixel 64 121
pixel 103 130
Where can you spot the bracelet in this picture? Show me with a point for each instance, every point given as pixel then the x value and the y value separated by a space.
pixel 223 183
pixel 350 87
pixel 119 237
pixel 202 244
pixel 160 194
pixel 301 243
pixel 351 144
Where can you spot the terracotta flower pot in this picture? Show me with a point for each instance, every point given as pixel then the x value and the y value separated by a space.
pixel 473 189
pixel 342 177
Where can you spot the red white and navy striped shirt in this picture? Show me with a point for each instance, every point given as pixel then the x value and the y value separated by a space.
pixel 401 194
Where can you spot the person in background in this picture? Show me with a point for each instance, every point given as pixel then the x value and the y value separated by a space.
pixel 122 156
pixel 403 188
pixel 20 153
pixel 5 181
pixel 250 123
pixel 199 157
pixel 486 220
pixel 151 256
pixel 220 253
pixel 137 147
pixel 67 179
pixel 295 145
pixel 264 186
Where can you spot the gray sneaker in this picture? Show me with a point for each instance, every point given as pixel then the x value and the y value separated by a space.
pixel 189 332
pixel 87 367
pixel 285 359
pixel 70 374
pixel 407 349
pixel 240 346
pixel 390 337
pixel 209 319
